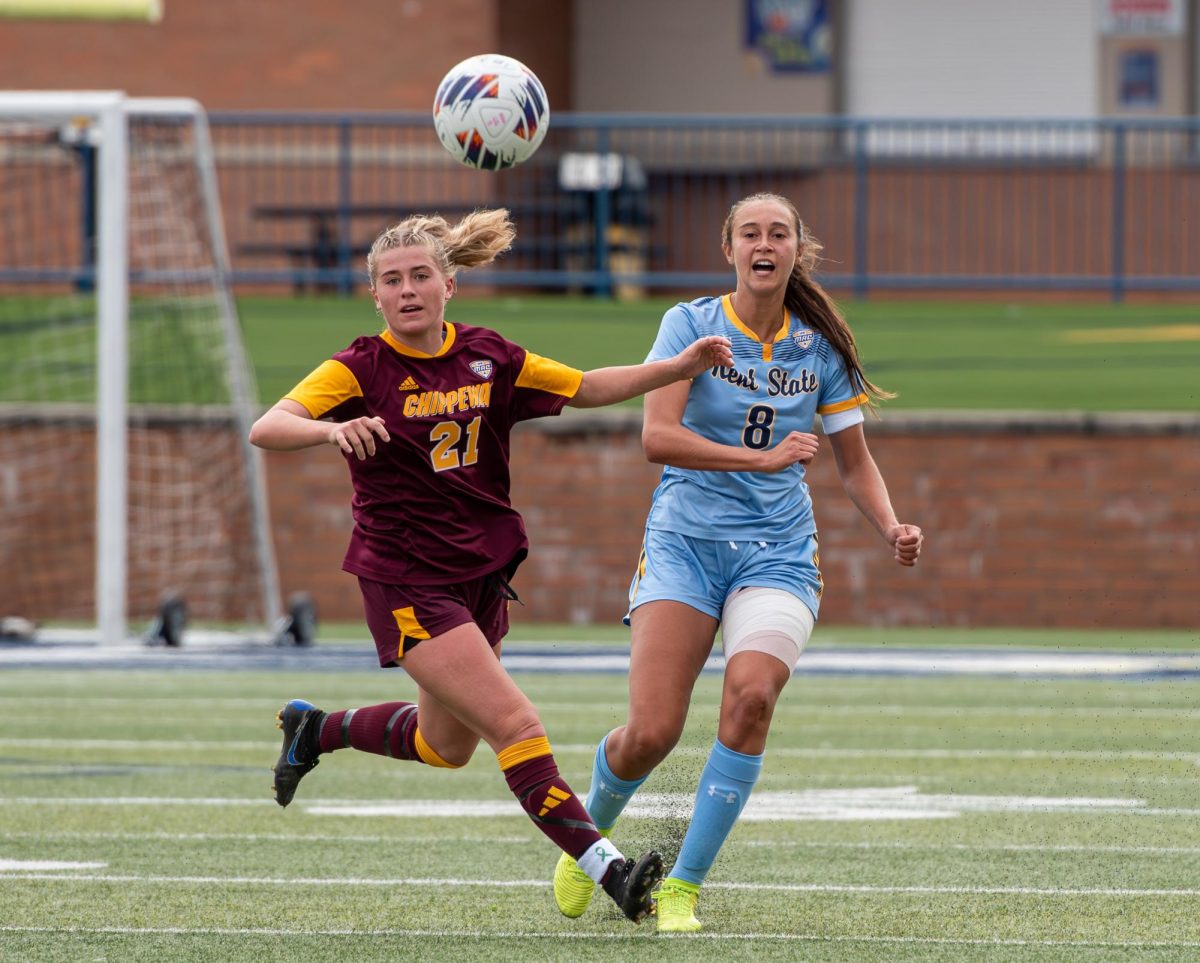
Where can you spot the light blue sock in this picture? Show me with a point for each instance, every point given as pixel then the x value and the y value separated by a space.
pixel 725 786
pixel 608 795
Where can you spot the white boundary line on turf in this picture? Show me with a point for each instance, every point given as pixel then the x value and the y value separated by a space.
pixel 272 746
pixel 576 935
pixel 818 888
pixel 523 840
pixel 786 708
pixel 1021 663
pixel 292 838
pixel 812 808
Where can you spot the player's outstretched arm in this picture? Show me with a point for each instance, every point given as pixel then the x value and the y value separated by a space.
pixel 864 484
pixel 288 426
pixel 606 386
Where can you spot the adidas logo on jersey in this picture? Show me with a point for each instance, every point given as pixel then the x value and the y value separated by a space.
pixel 409 385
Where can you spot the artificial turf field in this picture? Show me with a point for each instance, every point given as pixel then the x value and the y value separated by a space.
pixel 899 817
pixel 913 817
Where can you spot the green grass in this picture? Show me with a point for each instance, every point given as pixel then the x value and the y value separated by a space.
pixel 959 355
pixel 162 778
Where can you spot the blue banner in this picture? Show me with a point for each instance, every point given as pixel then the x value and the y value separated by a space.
pixel 790 35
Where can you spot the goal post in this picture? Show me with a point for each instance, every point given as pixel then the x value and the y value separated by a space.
pixel 125 386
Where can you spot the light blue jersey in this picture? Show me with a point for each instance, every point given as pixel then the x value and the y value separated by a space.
pixel 773 388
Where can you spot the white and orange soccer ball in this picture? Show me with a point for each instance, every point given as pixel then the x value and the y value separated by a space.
pixel 491 112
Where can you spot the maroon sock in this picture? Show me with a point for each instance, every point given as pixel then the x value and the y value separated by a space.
pixel 386 730
pixel 553 807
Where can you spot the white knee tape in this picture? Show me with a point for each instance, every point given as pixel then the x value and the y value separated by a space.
pixel 766 620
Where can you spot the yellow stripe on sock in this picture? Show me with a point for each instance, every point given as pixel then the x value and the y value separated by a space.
pixel 521 752
pixel 427 754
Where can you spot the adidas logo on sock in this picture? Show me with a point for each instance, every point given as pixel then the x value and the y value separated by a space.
pixel 554 796
pixel 409 385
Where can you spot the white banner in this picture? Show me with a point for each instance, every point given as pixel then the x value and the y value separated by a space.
pixel 1142 18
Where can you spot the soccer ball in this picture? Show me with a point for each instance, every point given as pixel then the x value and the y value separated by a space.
pixel 491 112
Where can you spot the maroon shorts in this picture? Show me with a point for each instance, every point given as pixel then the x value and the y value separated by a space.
pixel 400 617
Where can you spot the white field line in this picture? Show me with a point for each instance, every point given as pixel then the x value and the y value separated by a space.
pixel 867 803
pixel 523 840
pixel 798 708
pixel 291 838
pixel 83 699
pixel 272 746
pixel 645 935
pixel 982 848
pixel 176 745
pixel 784 708
pixel 427 882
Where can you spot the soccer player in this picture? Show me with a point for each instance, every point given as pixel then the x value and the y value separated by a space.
pixel 422 413
pixel 730 540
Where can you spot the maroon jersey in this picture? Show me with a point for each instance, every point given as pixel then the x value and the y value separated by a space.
pixel 433 504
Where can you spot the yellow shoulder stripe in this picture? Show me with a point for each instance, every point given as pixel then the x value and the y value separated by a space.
pixel 546 375
pixel 325 388
pixel 843 405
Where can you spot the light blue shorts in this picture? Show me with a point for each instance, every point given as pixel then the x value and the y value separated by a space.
pixel 703 573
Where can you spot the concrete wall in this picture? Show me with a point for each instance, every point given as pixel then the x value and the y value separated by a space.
pixel 907 57
pixel 664 56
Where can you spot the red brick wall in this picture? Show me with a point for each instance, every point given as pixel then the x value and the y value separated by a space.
pixel 301 55
pixel 1038 522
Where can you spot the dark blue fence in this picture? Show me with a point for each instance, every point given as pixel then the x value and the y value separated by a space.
pixel 624 204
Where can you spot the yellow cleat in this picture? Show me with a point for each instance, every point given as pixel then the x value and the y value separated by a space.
pixel 573 888
pixel 676 906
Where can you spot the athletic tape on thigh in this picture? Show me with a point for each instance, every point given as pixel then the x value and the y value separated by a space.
pixel 766 620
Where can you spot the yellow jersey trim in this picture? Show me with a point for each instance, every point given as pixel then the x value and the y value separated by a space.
pixel 406 622
pixel 326 387
pixel 732 316
pixel 520 752
pixel 546 375
pixel 397 345
pixel 843 405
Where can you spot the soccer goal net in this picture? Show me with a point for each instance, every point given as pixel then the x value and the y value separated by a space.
pixel 125 396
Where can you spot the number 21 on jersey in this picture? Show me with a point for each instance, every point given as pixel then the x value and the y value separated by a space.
pixel 446 437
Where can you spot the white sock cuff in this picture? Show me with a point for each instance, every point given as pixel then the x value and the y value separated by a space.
pixel 595 859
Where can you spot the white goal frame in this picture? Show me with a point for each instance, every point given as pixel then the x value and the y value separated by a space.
pixel 109 112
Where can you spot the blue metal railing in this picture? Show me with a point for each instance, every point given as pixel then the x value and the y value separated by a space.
pixel 900 204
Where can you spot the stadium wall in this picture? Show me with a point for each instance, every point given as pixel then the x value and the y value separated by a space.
pixel 1084 521
pixel 305 55
pixel 1066 521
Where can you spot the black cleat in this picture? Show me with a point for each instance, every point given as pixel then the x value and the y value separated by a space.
pixel 629 884
pixel 296 719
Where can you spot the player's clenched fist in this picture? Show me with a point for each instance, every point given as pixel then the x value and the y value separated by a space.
pixel 357 437
pixel 906 542
pixel 797 447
